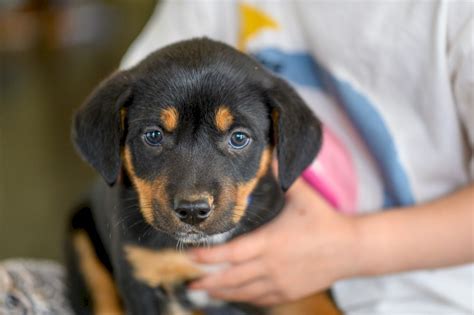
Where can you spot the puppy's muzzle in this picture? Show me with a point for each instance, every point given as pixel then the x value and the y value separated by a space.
pixel 192 212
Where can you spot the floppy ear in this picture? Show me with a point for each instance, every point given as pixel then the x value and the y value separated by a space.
pixel 297 132
pixel 97 130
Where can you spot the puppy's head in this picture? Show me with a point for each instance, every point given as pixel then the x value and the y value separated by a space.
pixel 194 126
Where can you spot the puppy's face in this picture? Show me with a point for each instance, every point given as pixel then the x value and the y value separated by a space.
pixel 194 127
pixel 195 156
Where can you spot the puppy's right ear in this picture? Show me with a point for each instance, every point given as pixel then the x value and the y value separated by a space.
pixel 97 130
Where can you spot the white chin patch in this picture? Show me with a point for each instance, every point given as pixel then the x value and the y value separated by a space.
pixel 220 238
pixel 214 239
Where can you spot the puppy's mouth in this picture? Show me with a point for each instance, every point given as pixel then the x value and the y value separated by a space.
pixel 214 230
pixel 199 238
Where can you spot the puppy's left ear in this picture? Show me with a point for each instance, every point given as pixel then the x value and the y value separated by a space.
pixel 97 129
pixel 297 132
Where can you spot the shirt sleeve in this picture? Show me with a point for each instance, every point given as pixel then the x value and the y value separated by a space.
pixel 175 20
pixel 460 52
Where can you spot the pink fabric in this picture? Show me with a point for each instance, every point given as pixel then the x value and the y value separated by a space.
pixel 333 174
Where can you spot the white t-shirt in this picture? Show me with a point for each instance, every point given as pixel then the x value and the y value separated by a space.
pixel 393 83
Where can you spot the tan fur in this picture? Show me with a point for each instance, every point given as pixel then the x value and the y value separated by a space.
pixel 317 304
pixel 169 117
pixel 147 191
pixel 99 281
pixel 123 116
pixel 227 194
pixel 224 118
pixel 164 267
pixel 245 189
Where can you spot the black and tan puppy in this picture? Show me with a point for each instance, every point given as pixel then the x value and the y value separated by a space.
pixel 184 141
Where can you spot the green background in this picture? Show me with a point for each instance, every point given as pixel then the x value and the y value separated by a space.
pixel 51 58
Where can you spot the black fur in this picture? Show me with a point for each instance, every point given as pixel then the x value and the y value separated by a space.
pixel 97 130
pixel 195 77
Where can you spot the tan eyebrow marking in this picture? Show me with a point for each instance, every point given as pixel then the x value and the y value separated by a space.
pixel 224 118
pixel 169 117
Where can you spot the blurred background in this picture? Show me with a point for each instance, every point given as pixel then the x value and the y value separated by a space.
pixel 52 54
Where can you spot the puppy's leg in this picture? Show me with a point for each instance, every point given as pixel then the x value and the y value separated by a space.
pixel 168 271
pixel 91 287
pixel 139 298
pixel 159 276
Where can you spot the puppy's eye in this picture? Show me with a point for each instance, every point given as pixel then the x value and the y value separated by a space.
pixel 239 140
pixel 153 137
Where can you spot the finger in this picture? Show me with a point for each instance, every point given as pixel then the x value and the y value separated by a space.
pixel 246 292
pixel 231 277
pixel 241 249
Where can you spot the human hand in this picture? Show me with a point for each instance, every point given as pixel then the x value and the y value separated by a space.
pixel 302 251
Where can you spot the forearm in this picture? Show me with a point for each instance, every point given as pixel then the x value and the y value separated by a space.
pixel 431 235
pixel 266 267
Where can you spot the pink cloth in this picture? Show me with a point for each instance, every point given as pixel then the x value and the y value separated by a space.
pixel 333 174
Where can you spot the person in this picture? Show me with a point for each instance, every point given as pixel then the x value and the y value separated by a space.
pixel 385 213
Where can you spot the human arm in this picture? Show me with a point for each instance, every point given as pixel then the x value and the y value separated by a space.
pixel 430 235
pixel 310 246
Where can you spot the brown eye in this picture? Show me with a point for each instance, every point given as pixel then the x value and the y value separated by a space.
pixel 239 140
pixel 153 137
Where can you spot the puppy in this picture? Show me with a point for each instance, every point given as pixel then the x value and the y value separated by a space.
pixel 184 142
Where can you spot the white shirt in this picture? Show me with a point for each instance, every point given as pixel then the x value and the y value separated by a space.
pixel 393 83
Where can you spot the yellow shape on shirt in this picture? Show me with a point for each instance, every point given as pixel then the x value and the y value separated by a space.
pixel 252 21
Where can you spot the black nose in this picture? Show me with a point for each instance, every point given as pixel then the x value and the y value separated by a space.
pixel 192 212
